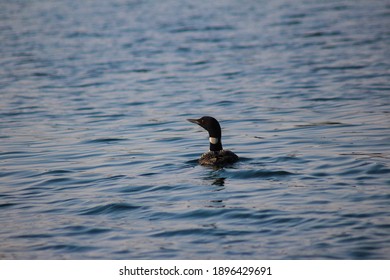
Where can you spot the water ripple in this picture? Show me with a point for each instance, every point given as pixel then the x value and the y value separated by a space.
pixel 110 208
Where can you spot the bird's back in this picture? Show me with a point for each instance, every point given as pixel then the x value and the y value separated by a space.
pixel 218 158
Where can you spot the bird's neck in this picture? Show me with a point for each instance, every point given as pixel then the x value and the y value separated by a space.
pixel 215 144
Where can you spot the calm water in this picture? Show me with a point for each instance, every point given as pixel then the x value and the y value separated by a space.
pixel 98 161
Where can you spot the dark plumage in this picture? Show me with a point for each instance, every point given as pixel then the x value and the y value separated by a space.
pixel 217 156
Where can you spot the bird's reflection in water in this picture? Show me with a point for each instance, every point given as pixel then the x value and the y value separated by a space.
pixel 218 184
pixel 216 180
pixel 218 203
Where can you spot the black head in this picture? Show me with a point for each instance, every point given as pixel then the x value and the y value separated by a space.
pixel 214 129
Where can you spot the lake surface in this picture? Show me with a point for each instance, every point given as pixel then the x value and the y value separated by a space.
pixel 97 160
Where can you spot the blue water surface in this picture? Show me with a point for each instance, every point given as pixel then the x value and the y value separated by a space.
pixel 97 160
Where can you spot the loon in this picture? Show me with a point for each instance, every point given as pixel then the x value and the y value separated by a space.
pixel 217 156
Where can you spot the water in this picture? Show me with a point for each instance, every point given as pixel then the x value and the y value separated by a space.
pixel 97 160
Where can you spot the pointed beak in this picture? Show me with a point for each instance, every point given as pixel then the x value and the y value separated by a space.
pixel 193 121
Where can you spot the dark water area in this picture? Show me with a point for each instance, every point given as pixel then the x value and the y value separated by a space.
pixel 97 160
